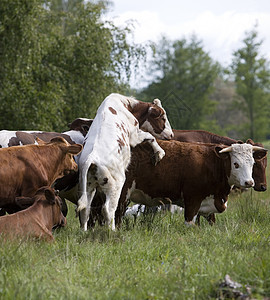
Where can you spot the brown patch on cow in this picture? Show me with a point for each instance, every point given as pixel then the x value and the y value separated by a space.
pixel 48 136
pixel 22 138
pixel 112 110
pixel 136 122
pixel 81 125
pixel 128 105
pixel 121 144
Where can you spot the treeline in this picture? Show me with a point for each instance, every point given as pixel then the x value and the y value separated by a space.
pixel 59 59
pixel 199 93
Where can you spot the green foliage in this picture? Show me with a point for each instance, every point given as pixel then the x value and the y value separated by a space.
pixel 252 77
pixel 58 61
pixel 185 76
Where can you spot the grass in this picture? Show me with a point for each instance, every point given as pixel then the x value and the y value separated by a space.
pixel 154 259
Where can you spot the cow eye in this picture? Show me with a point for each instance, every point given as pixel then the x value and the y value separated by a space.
pixel 236 165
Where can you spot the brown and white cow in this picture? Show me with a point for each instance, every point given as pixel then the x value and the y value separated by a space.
pixel 24 169
pixel 202 136
pixel 78 130
pixel 195 176
pixel 36 221
pixel 118 125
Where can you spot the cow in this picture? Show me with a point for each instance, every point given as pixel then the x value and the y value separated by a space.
pixel 37 220
pixel 195 176
pixel 203 136
pixel 118 125
pixel 67 184
pixel 24 169
pixel 78 130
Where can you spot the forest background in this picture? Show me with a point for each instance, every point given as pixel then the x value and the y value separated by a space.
pixel 59 59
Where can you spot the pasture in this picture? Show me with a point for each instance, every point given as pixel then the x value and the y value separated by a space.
pixel 156 258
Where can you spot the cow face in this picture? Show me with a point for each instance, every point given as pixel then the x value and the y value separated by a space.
pixel 157 122
pixel 68 164
pixel 241 162
pixel 55 201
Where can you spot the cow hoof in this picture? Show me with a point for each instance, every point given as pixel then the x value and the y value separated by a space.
pixel 158 157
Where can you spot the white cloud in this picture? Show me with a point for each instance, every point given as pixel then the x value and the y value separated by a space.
pixel 221 33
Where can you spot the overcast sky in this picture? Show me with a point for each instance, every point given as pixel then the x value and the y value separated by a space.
pixel 219 24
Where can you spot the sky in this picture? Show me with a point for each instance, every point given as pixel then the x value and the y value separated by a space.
pixel 221 25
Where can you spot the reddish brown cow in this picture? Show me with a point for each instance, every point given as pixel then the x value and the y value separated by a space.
pixel 195 136
pixel 24 169
pixel 195 176
pixel 36 221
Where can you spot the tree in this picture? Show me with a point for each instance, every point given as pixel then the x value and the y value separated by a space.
pixel 252 76
pixel 58 60
pixel 184 76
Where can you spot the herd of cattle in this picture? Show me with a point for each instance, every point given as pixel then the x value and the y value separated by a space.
pixel 128 152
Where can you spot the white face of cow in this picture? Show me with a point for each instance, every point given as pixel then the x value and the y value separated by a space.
pixel 241 165
pixel 157 122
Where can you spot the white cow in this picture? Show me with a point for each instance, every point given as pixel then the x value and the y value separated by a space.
pixel 118 125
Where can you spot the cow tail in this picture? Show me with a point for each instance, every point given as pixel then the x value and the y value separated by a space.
pixel 83 201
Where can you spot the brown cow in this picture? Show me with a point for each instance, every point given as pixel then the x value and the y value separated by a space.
pixel 195 176
pixel 24 169
pixel 35 221
pixel 202 136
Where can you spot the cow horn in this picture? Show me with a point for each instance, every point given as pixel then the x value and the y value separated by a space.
pixel 257 148
pixel 227 149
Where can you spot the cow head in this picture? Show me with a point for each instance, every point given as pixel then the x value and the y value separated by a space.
pixel 259 168
pixel 157 122
pixel 68 163
pixel 241 163
pixel 55 201
pixel 81 124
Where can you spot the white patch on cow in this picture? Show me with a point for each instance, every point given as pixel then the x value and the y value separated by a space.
pixel 135 210
pixel 241 166
pixel 76 136
pixel 131 189
pixel 191 223
pixel 208 207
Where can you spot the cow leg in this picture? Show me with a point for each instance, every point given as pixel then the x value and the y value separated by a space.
pixel 110 206
pixel 85 212
pixel 192 207
pixel 147 137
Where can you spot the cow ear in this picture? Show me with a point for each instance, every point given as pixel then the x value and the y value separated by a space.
pixel 249 141
pixel 40 141
pixel 75 149
pixel 157 102
pixel 217 150
pixel 58 139
pixel 24 202
pixel 260 154
pixel 155 112
pixel 50 196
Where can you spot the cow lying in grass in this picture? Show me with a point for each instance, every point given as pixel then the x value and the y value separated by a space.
pixel 37 220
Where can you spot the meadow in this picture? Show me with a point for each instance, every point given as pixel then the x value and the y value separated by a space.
pixel 154 258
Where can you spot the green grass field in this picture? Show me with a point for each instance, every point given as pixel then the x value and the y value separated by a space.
pixel 153 259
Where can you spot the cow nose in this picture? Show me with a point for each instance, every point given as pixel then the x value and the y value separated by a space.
pixel 263 188
pixel 249 183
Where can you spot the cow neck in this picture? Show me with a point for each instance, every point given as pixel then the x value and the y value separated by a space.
pixel 45 212
pixel 223 186
pixel 140 111
pixel 52 160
